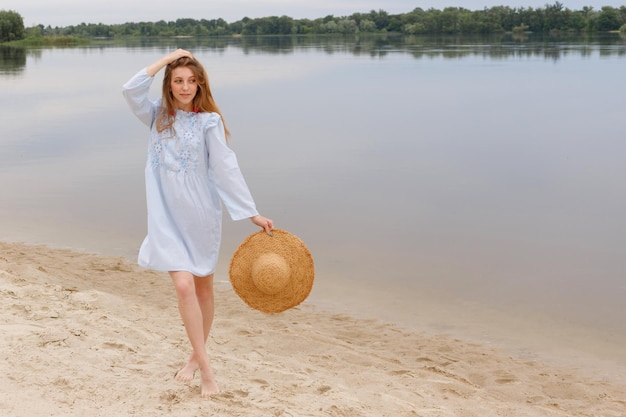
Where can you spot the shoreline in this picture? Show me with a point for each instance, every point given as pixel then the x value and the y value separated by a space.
pixel 94 334
pixel 518 332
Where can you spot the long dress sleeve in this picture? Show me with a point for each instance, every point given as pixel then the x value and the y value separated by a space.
pixel 135 92
pixel 225 173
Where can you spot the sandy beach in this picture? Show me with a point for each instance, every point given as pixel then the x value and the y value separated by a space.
pixel 90 335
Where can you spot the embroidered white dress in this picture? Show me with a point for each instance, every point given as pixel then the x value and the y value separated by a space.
pixel 189 173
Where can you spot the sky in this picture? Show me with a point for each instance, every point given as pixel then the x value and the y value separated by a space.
pixel 74 12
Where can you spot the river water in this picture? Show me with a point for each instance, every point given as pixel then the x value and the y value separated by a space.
pixel 473 186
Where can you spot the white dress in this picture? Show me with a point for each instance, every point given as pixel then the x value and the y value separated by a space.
pixel 189 174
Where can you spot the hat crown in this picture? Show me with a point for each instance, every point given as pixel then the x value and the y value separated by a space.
pixel 270 273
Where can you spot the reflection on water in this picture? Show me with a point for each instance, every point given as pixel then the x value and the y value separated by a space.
pixel 548 46
pixel 418 169
pixel 12 60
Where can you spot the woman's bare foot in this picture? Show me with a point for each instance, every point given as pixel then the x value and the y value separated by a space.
pixel 208 386
pixel 187 372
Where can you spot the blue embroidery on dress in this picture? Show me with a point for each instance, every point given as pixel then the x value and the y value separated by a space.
pixel 177 151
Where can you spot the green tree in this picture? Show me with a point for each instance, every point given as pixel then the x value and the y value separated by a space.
pixel 11 26
pixel 467 23
pixel 347 26
pixel 367 25
pixel 553 17
pixel 330 27
pixel 449 20
pixel 577 21
pixel 380 18
pixel 609 18
pixel 285 26
pixel 431 21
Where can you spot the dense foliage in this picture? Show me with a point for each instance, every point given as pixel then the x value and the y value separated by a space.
pixel 11 26
pixel 451 20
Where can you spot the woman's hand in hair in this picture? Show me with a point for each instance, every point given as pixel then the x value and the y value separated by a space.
pixel 179 53
pixel 171 57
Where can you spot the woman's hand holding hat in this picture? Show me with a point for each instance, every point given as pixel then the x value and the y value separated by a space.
pixel 263 222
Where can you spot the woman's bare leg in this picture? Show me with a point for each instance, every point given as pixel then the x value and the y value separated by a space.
pixel 191 313
pixel 206 300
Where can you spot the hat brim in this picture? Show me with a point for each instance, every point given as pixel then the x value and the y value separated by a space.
pixel 292 250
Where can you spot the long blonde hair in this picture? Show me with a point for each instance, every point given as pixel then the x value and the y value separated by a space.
pixel 202 102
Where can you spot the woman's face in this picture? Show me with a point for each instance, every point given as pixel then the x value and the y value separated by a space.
pixel 184 87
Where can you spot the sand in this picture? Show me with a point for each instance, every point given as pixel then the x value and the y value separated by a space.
pixel 89 335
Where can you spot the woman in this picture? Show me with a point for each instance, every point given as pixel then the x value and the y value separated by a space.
pixel 190 169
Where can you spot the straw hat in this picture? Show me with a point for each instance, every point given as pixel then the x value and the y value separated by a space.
pixel 272 273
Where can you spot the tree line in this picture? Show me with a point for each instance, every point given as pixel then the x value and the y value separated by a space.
pixel 451 20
